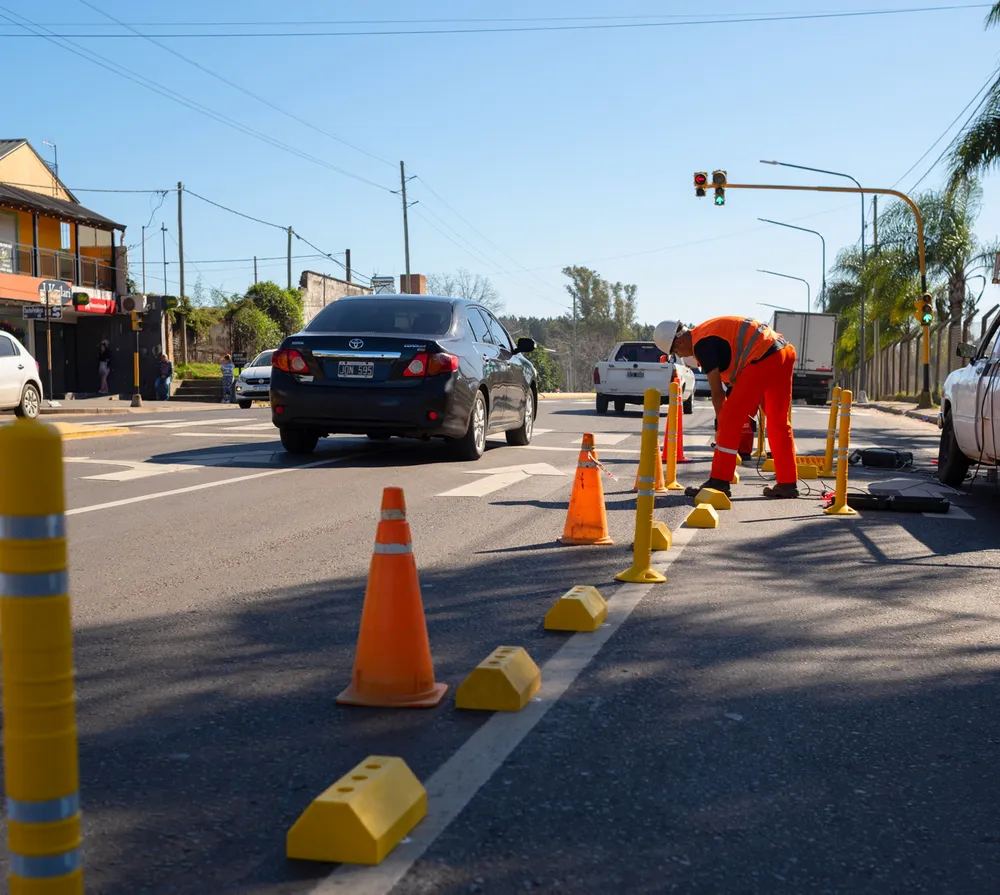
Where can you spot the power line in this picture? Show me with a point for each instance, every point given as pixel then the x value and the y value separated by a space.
pixel 990 80
pixel 779 17
pixel 236 86
pixel 82 189
pixel 241 214
pixel 326 254
pixel 103 62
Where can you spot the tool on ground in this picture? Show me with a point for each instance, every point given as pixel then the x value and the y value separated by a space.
pixel 882 458
pixel 642 547
pixel 840 506
pixel 587 516
pixel 392 663
pixel 831 432
pixel 41 766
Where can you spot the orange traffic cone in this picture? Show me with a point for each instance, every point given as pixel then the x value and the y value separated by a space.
pixel 587 519
pixel 392 664
pixel 680 433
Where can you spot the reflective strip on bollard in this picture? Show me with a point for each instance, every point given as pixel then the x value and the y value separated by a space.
pixel 46 867
pixel 43 584
pixel 32 528
pixel 43 812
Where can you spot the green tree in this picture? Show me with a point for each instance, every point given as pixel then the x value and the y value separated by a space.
pixel 979 149
pixel 253 330
pixel 549 374
pixel 283 306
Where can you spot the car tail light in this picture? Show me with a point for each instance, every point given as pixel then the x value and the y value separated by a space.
pixel 663 358
pixel 597 376
pixel 288 360
pixel 431 365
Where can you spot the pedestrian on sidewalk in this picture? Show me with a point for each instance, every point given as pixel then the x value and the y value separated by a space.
pixel 757 363
pixel 165 378
pixel 227 367
pixel 103 365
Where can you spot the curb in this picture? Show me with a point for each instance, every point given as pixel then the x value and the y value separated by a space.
pixel 69 434
pixel 555 396
pixel 924 416
pixel 172 406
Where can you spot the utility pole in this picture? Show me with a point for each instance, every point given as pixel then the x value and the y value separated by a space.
pixel 143 259
pixel 180 250
pixel 406 226
pixel 289 258
pixel 875 223
pixel 572 352
pixel 163 234
pixel 348 265
pixel 255 270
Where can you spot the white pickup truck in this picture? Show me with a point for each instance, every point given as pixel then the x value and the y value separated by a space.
pixel 631 368
pixel 970 407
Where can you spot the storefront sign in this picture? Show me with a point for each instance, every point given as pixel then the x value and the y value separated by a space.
pixel 6 257
pixel 97 305
pixel 55 292
pixel 55 312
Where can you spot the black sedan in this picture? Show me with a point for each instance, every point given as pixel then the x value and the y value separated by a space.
pixel 416 366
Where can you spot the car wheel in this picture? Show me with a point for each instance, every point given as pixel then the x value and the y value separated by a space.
pixel 298 441
pixel 473 443
pixel 30 402
pixel 244 405
pixel 619 405
pixel 602 403
pixel 522 434
pixel 953 465
pixel 689 405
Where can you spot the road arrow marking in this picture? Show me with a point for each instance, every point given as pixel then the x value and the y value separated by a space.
pixel 500 477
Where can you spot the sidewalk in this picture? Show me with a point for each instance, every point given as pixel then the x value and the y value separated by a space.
pixel 118 405
pixel 904 408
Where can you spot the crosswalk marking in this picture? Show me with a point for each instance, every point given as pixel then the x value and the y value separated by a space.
pixel 190 423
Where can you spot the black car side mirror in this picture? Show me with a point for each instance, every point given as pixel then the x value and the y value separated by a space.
pixel 966 351
pixel 524 346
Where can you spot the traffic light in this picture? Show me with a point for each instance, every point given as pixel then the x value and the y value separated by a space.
pixel 137 321
pixel 719 179
pixel 700 182
pixel 923 310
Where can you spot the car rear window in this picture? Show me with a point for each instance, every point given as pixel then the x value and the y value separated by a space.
pixel 637 352
pixel 262 360
pixel 384 315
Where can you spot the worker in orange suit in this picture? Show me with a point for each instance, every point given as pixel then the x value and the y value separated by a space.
pixel 757 364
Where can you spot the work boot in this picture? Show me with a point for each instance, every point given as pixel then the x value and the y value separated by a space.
pixel 782 491
pixel 717 484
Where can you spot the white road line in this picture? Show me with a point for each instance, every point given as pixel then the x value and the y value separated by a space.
pixel 606 439
pixel 455 783
pixel 136 425
pixel 571 450
pixel 110 505
pixel 188 423
pixel 134 469
pixel 225 433
pixel 486 485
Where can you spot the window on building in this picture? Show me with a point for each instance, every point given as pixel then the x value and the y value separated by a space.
pixel 65 240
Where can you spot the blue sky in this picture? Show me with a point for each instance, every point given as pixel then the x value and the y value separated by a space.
pixel 547 148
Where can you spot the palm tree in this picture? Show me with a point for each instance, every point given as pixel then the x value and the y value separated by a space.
pixel 980 147
pixel 953 253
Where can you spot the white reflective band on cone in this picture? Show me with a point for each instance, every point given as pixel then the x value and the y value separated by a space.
pixel 43 812
pixel 388 515
pixel 43 584
pixel 393 548
pixel 32 528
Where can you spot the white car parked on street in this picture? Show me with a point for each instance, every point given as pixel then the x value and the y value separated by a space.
pixel 254 383
pixel 20 381
pixel 970 405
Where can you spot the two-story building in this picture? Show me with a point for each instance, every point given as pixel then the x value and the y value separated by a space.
pixel 46 235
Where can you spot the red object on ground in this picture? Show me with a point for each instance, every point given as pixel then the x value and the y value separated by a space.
pixel 748 437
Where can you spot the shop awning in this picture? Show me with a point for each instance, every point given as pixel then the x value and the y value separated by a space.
pixel 30 201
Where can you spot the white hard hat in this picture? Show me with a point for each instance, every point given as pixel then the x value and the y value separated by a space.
pixel 664 334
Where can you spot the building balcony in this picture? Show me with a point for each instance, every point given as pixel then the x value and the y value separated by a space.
pixel 50 264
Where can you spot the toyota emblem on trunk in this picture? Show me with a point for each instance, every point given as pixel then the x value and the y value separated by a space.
pixel 356 344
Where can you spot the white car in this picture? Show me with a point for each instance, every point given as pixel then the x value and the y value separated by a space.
pixel 20 381
pixel 633 367
pixel 254 383
pixel 970 405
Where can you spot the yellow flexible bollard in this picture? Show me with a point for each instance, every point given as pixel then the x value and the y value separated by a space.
pixel 760 434
pixel 673 414
pixel 642 548
pixel 41 769
pixel 840 507
pixel 831 432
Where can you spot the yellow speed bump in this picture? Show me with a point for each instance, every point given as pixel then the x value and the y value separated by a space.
pixel 702 516
pixel 735 479
pixel 662 539
pixel 714 497
pixel 362 817
pixel 767 465
pixel 807 470
pixel 503 682
pixel 579 609
pixel 810 461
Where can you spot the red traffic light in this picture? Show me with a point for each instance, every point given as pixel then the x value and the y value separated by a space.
pixel 700 179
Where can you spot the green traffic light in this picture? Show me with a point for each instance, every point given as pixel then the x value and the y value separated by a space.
pixel 720 200
pixel 927 319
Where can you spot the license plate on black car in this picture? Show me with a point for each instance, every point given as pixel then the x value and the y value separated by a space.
pixel 635 374
pixel 355 371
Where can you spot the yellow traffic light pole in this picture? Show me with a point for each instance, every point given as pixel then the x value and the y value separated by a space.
pixel 925 395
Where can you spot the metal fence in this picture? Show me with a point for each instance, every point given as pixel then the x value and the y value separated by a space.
pixel 56 265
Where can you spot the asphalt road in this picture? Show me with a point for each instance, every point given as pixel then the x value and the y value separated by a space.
pixel 807 705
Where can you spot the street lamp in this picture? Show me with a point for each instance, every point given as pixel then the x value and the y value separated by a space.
pixel 764 304
pixel 822 240
pixel 861 364
pixel 788 276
